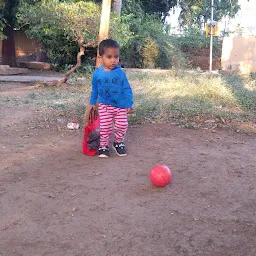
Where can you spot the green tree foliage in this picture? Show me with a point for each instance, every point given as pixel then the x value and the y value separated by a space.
pixel 8 11
pixel 63 26
pixel 192 11
pixel 194 38
pixel 160 7
pixel 2 23
pixel 144 40
pixel 7 23
pixel 151 45
pixel 197 12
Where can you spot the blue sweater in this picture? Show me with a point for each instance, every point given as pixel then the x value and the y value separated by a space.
pixel 111 88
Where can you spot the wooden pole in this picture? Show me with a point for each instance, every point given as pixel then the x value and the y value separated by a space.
pixel 104 25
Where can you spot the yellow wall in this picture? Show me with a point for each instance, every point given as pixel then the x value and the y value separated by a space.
pixel 239 54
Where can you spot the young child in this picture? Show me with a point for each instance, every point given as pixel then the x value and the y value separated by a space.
pixel 112 90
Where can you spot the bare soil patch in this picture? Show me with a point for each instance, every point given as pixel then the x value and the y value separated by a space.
pixel 56 201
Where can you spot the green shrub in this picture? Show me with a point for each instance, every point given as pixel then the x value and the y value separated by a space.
pixel 58 25
pixel 145 41
pixel 195 38
pixel 150 53
pixel 151 45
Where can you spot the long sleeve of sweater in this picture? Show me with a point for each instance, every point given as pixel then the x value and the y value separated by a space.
pixel 94 92
pixel 127 90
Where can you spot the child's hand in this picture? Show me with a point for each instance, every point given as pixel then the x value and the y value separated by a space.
pixel 93 107
pixel 129 110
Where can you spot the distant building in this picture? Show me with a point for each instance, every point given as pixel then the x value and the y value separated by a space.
pixel 24 46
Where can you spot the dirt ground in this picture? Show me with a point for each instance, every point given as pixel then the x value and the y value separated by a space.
pixel 56 201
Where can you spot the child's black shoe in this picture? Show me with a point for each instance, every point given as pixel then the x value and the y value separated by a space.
pixel 120 148
pixel 103 152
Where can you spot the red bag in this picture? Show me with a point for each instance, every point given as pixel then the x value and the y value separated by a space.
pixel 91 134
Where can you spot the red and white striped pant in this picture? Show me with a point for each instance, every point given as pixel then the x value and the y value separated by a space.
pixel 108 114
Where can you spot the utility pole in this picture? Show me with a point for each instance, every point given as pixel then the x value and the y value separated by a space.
pixel 211 40
pixel 104 25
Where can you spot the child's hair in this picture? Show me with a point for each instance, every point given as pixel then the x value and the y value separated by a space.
pixel 107 43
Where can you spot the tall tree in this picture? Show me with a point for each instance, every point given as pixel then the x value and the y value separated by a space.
pixel 157 7
pixel 8 11
pixel 197 12
pixel 160 7
pixel 60 25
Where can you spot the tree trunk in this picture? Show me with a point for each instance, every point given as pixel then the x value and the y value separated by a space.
pixel 72 70
pixel 40 55
pixel 104 25
pixel 117 7
pixel 82 46
pixel 8 48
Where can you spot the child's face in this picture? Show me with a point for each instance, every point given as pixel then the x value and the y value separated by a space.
pixel 110 58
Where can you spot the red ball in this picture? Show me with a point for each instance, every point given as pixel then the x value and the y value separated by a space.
pixel 160 176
